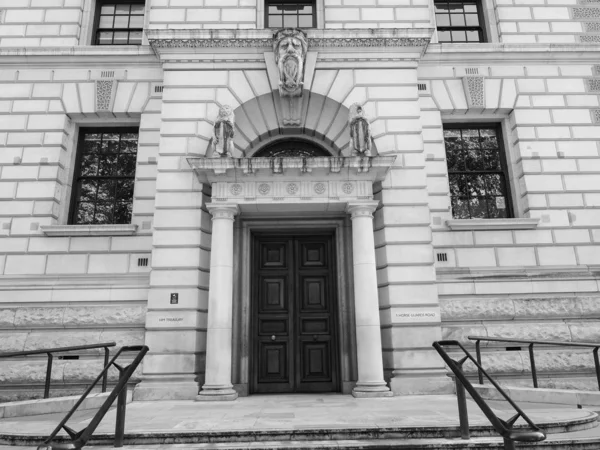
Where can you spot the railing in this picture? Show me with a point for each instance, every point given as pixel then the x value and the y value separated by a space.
pixel 530 344
pixel 51 351
pixel 80 438
pixel 504 428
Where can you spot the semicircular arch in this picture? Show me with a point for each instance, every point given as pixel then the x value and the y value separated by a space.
pixel 323 122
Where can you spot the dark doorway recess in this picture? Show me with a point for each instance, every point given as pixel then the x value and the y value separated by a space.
pixel 294 338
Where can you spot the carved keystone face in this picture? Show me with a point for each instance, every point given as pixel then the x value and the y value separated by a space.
pixel 290 45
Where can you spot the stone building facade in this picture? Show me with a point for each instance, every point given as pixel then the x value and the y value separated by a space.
pixel 296 259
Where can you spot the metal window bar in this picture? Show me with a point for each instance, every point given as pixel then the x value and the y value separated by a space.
pixel 531 344
pixel 50 355
pixel 78 439
pixel 503 427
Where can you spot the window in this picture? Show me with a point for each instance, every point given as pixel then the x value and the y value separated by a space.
pixel 290 14
pixel 119 22
pixel 477 172
pixel 459 21
pixel 105 174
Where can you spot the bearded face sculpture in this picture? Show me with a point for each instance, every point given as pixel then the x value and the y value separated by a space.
pixel 223 132
pixel 360 130
pixel 290 47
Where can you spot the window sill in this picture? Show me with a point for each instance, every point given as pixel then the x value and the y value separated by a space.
pixel 89 230
pixel 492 224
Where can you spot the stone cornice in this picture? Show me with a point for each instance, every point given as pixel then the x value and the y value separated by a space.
pixel 84 55
pixel 211 170
pixel 317 39
pixel 501 53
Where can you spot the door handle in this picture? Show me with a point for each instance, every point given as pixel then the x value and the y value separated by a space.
pixel 273 337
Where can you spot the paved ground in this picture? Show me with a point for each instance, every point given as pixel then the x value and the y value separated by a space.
pixel 264 412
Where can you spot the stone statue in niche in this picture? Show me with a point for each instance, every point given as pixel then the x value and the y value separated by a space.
pixel 360 130
pixel 223 133
pixel 290 46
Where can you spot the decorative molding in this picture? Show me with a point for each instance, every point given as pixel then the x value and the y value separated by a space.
pixel 595 115
pixel 475 91
pixel 105 94
pixel 89 230
pixel 312 42
pixel 591 27
pixel 210 170
pixel 362 208
pixel 492 224
pixel 220 211
pixel 298 191
pixel 586 13
pixel 593 38
pixel 317 39
pixel 593 85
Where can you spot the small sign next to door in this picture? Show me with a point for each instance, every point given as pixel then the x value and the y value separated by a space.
pixel 174 299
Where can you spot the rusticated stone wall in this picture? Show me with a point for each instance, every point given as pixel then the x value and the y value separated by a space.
pixel 568 318
pixel 25 328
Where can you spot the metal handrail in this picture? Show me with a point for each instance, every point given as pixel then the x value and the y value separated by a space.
pixel 50 352
pixel 503 427
pixel 530 344
pixel 80 438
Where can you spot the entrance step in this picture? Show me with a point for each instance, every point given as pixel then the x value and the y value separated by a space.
pixel 309 421
pixel 368 437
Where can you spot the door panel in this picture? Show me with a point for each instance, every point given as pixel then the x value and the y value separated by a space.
pixel 293 308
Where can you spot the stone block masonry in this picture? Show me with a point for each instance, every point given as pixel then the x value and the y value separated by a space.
pixel 41 23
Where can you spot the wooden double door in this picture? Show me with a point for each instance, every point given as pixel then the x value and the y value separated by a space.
pixel 294 346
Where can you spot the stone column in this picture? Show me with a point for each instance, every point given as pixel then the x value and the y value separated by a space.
pixel 217 382
pixel 366 299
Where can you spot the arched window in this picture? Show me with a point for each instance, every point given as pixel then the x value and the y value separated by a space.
pixel 291 148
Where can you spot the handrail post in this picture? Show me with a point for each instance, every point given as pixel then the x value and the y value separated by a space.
pixel 533 369
pixel 463 413
pixel 48 376
pixel 121 410
pixel 508 444
pixel 105 379
pixel 478 352
pixel 597 364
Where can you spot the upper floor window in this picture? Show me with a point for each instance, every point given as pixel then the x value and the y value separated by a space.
pixel 119 22
pixel 104 176
pixel 459 21
pixel 290 14
pixel 477 171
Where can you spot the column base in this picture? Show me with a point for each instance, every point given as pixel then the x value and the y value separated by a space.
pixel 371 390
pixel 426 382
pixel 165 388
pixel 216 394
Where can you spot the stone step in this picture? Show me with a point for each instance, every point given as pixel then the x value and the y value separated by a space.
pixel 287 437
pixel 389 444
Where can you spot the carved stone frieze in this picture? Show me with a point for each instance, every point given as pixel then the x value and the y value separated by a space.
pixel 267 43
pixel 294 192
pixel 105 95
pixel 475 91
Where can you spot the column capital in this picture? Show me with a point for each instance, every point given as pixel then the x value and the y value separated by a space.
pixel 362 208
pixel 223 211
